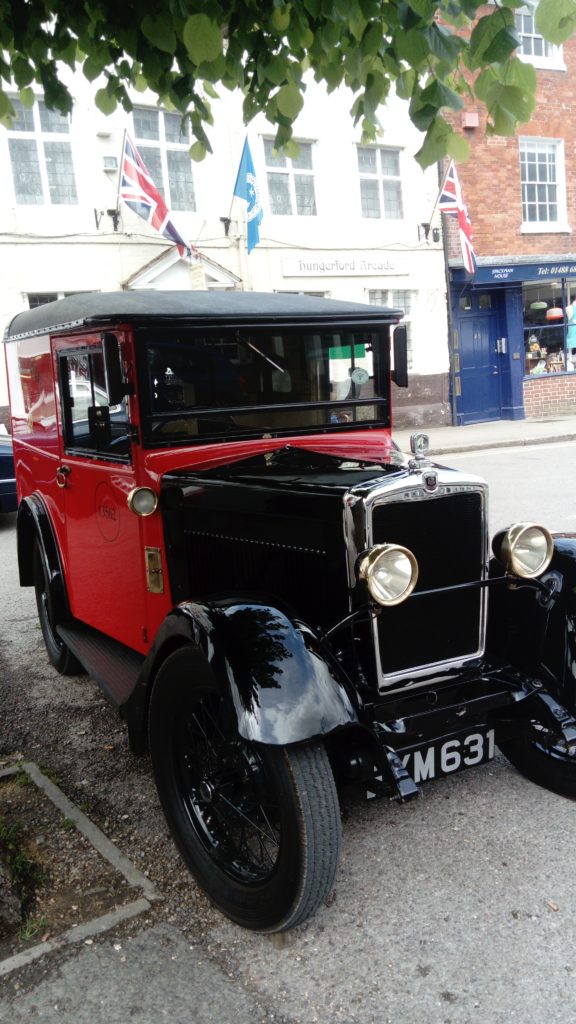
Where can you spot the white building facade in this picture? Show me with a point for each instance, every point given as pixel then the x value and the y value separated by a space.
pixel 341 219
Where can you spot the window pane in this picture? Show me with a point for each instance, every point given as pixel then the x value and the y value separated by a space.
pixel 52 120
pixel 369 193
pixel 279 193
pixel 41 298
pixel 60 172
pixel 304 160
pixel 390 160
pixel 273 159
pixel 26 171
pixel 153 161
pixel 180 180
pixel 392 200
pixel 485 301
pixel 305 198
pixel 173 130
pixel 146 123
pixel 24 120
pixel 366 160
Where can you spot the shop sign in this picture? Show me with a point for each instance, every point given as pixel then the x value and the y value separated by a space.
pixel 343 265
pixel 516 272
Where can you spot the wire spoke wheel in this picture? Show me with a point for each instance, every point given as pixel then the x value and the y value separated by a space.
pixel 258 826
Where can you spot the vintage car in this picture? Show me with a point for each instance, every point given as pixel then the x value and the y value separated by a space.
pixel 8 501
pixel 278 601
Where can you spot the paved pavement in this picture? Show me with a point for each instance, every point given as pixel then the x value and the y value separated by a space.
pixel 497 434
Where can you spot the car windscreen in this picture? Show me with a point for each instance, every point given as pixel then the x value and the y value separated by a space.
pixel 201 385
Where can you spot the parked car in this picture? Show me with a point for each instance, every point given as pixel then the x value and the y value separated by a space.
pixel 277 600
pixel 8 502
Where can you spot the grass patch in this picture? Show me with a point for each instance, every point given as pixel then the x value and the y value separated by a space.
pixel 24 871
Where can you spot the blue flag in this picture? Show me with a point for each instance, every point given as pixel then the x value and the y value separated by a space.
pixel 246 187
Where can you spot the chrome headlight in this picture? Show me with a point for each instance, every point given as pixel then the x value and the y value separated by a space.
pixel 142 501
pixel 391 573
pixel 527 550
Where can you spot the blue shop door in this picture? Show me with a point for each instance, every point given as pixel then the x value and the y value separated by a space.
pixel 479 369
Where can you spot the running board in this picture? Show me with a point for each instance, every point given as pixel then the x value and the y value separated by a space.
pixel 113 666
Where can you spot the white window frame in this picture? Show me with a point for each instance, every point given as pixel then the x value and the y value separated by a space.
pixel 283 165
pixel 381 179
pixel 543 226
pixel 40 136
pixel 552 59
pixel 391 297
pixel 163 146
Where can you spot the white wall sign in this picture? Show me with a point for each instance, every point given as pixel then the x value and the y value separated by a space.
pixel 344 265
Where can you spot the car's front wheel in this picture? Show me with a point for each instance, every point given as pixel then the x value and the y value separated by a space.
pixel 258 826
pixel 546 765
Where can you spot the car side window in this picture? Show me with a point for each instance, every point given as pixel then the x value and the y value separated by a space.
pixel 91 424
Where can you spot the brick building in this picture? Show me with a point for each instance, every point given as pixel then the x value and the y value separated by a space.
pixel 513 341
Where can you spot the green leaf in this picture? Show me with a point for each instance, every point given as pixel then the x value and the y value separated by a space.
pixel 105 102
pixel 6 110
pixel 443 43
pixel 197 151
pixel 458 147
pixel 484 33
pixel 556 20
pixel 290 101
pixel 503 44
pixel 405 84
pixel 159 32
pixel 280 18
pixel 91 69
pixel 27 97
pixel 22 71
pixel 412 47
pixel 202 38
pixel 435 145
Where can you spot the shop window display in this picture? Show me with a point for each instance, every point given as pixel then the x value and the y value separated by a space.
pixel 549 327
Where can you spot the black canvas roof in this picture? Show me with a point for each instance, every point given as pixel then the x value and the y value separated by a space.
pixel 146 306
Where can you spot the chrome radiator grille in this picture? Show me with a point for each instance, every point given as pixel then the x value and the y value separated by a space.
pixel 446 533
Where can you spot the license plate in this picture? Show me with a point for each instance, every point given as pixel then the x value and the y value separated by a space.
pixel 448 756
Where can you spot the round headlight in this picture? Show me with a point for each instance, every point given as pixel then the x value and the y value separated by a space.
pixel 143 501
pixel 527 550
pixel 390 572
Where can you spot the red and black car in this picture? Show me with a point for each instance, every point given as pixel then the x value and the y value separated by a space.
pixel 221 531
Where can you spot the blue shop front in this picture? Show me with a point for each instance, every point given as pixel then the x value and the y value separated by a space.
pixel 513 325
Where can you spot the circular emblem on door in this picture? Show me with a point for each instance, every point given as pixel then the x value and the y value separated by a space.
pixel 107 512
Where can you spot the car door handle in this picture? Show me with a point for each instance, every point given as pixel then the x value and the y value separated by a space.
pixel 62 474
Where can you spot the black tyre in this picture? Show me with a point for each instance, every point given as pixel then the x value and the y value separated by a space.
pixel 59 654
pixel 258 826
pixel 547 766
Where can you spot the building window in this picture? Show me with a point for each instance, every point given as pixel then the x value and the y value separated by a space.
pixel 290 181
pixel 41 156
pixel 163 145
pixel 549 327
pixel 42 298
pixel 542 181
pixel 380 185
pixel 397 299
pixel 533 48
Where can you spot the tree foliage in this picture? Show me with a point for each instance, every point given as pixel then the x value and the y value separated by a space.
pixel 435 53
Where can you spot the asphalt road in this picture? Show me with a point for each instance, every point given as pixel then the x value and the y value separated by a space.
pixel 459 908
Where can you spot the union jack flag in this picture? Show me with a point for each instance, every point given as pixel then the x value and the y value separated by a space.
pixel 140 193
pixel 451 202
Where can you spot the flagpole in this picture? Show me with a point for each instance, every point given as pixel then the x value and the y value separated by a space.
pixel 453 347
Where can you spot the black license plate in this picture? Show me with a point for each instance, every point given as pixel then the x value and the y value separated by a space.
pixel 446 756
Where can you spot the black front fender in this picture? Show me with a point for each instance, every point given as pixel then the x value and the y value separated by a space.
pixel 283 682
pixel 535 635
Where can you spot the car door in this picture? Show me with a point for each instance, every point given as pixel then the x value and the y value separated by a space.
pixel 102 537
